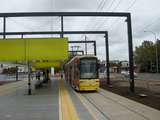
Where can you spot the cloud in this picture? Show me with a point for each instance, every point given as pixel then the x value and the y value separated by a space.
pixel 75 5
pixel 144 17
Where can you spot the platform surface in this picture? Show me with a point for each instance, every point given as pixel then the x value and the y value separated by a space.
pixel 42 105
pixel 58 101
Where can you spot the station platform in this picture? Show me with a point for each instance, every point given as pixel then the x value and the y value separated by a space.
pixel 58 101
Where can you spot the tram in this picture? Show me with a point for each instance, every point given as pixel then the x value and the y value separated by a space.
pixel 81 72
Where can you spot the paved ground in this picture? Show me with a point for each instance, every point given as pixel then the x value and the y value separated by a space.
pixel 12 77
pixel 140 76
pixel 58 101
pixel 82 111
pixel 43 105
pixel 148 84
pixel 51 102
pixel 149 76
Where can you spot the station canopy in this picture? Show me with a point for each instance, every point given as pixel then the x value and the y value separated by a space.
pixel 42 52
pixel 47 64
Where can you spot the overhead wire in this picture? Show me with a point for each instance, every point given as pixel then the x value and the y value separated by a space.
pixel 102 19
pixel 101 5
pixel 150 24
pixel 104 3
pixel 29 27
pixel 119 2
pixel 117 19
pixel 99 8
pixel 143 27
pixel 97 20
pixel 106 20
pixel 110 5
pixel 21 24
pixel 146 26
pixel 52 6
pixel 115 22
pixel 117 5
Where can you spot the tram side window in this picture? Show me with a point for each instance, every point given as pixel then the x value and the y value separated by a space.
pixel 88 68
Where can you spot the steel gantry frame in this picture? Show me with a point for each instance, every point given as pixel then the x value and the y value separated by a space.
pixel 77 51
pixel 80 14
pixel 94 44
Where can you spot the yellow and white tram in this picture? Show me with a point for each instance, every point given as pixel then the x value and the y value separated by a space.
pixel 81 72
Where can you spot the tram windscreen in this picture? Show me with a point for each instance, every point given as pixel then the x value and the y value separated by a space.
pixel 88 68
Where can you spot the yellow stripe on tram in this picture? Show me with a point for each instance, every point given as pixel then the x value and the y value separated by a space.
pixel 68 111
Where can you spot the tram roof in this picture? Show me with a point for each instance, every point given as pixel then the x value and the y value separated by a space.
pixel 81 56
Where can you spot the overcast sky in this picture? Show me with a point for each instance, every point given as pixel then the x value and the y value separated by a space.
pixel 145 16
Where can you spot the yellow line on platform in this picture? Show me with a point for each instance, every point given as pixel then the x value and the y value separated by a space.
pixel 11 87
pixel 68 111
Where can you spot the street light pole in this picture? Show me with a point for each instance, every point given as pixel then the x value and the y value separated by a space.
pixel 156 40
pixel 157 56
pixel 85 44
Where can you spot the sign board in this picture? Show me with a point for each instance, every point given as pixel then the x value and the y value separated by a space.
pixel 55 64
pixel 34 49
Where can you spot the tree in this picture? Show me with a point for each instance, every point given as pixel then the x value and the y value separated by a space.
pixel 144 56
pixel 158 52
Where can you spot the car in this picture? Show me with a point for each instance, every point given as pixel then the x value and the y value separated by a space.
pixel 126 73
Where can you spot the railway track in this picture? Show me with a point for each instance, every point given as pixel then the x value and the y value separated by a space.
pixel 125 106
pixel 103 105
pixel 96 107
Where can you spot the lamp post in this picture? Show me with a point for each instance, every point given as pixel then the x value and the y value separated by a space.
pixel 157 66
pixel 85 44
